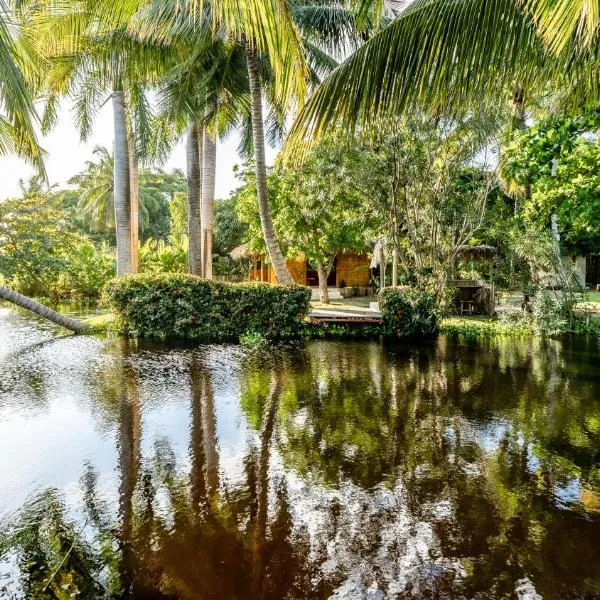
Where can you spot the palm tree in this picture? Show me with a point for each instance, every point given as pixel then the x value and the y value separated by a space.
pixel 456 56
pixel 265 27
pixel 328 26
pixel 95 187
pixel 87 64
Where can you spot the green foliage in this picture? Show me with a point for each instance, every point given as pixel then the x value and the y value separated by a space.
pixel 473 330
pixel 228 230
pixel 317 212
pixel 40 255
pixel 409 312
pixel 336 331
pixel 417 178
pixel 253 340
pixel 159 256
pixel 185 306
pixel 568 188
pixel 94 188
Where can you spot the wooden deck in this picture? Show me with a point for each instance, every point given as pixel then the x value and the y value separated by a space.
pixel 345 316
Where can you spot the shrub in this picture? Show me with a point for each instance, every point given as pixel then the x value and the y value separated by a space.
pixel 409 312
pixel 187 307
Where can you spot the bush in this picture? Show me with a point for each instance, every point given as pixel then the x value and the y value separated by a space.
pixel 409 312
pixel 187 307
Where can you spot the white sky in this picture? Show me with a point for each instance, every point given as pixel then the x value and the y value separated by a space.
pixel 67 156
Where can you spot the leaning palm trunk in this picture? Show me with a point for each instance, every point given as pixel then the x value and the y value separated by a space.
pixel 193 198
pixel 209 162
pixel 135 202
pixel 40 310
pixel 258 139
pixel 122 187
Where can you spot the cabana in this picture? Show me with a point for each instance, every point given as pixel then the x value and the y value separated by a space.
pixel 350 269
pixel 476 296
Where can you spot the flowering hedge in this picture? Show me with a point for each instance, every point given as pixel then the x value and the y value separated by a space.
pixel 409 312
pixel 188 307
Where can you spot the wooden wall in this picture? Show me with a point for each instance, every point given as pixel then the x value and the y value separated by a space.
pixel 353 269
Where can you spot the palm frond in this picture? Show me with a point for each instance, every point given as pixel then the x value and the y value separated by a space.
pixel 561 21
pixel 450 56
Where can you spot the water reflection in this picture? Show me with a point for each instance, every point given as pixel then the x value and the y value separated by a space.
pixel 322 470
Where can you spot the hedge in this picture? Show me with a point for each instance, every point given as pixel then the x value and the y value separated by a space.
pixel 408 312
pixel 188 307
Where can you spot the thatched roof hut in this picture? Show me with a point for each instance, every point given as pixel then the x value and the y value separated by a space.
pixel 242 252
pixel 476 252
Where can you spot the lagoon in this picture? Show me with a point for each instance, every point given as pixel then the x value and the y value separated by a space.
pixel 317 469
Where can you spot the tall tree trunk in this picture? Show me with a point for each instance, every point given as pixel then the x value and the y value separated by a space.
pixel 193 198
pixel 121 186
pixel 323 274
pixel 134 191
pixel 40 310
pixel 395 267
pixel 258 139
pixel 382 266
pixel 519 101
pixel 209 165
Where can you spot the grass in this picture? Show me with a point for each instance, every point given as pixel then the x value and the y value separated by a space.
pixel 99 322
pixel 483 327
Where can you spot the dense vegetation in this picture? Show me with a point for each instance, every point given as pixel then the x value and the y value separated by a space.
pixel 188 307
pixel 381 154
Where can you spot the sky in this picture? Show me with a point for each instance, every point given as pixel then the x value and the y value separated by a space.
pixel 67 156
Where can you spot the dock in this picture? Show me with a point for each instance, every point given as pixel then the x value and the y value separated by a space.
pixel 345 316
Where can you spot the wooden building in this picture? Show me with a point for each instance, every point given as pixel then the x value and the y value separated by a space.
pixel 350 269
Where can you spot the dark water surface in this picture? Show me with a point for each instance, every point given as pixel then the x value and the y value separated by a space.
pixel 316 470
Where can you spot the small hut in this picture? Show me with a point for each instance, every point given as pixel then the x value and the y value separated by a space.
pixel 476 296
pixel 350 269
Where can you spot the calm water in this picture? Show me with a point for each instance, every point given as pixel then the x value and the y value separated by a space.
pixel 326 469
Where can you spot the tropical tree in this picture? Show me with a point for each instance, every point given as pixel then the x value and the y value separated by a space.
pixel 91 62
pixel 314 27
pixel 95 192
pixel 418 178
pixel 559 159
pixel 316 209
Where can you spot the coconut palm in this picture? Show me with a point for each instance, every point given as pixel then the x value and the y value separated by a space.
pixel 459 55
pixel 236 99
pixel 89 64
pixel 205 94
pixel 19 66
pixel 262 27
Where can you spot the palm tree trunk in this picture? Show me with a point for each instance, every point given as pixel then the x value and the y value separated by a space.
pixel 193 198
pixel 40 310
pixel 134 190
pixel 258 138
pixel 269 419
pixel 522 123
pixel 209 164
pixel 121 186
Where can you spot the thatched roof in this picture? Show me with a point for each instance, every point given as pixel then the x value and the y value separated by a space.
pixel 242 252
pixel 475 252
